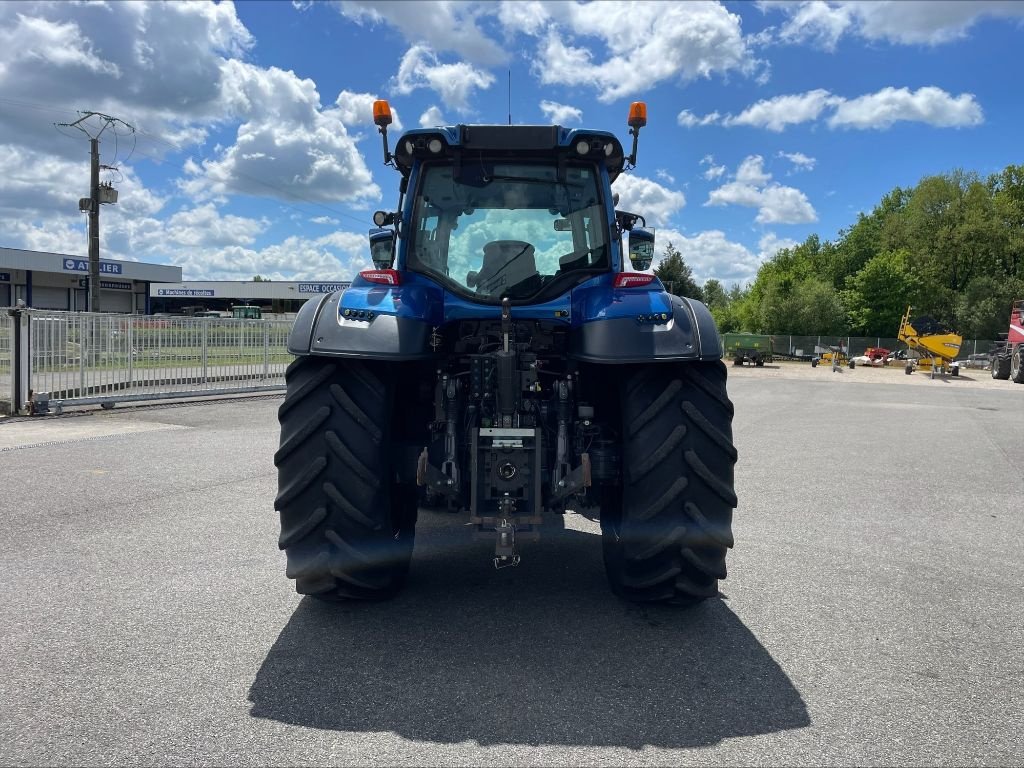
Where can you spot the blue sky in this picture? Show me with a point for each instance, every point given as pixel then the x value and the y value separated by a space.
pixel 256 154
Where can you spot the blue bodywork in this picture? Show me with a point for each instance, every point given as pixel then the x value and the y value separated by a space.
pixel 610 324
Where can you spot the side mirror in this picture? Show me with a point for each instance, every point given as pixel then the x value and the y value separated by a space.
pixel 382 248
pixel 641 248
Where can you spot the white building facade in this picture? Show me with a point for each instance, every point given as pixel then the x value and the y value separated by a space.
pixel 60 281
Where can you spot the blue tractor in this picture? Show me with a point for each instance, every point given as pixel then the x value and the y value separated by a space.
pixel 502 359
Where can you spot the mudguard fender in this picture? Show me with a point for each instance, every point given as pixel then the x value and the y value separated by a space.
pixel 319 329
pixel 690 334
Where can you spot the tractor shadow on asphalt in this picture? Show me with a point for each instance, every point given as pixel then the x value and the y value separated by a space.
pixel 539 654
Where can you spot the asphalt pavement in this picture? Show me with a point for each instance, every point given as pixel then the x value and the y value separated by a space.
pixel 873 613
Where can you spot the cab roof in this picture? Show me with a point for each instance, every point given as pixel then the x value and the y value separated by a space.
pixel 512 141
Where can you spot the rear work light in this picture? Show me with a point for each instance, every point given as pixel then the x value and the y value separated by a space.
pixel 382 276
pixel 633 279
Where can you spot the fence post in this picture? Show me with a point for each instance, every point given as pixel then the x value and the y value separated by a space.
pixel 266 350
pixel 206 324
pixel 131 350
pixel 80 321
pixel 21 357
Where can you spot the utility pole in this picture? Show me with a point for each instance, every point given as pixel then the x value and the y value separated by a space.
pixel 98 193
pixel 94 225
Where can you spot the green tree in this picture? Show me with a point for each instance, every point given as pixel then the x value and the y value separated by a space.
pixel 677 276
pixel 259 279
pixel 879 293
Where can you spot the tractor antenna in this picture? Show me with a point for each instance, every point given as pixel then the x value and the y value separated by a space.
pixel 510 96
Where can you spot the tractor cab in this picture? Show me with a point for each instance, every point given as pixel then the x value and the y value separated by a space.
pixel 494 212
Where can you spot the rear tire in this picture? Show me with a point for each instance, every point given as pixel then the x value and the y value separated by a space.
pixel 666 529
pixel 347 526
pixel 1016 369
pixel 1001 368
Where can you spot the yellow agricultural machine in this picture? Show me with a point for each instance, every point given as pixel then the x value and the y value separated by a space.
pixel 935 344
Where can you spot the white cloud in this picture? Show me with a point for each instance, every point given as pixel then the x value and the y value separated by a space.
pixel 325 220
pixel 751 171
pixel 687 119
pixel 432 118
pixel 294 258
pixel 155 65
pixel 287 148
pixel 657 204
pixel 355 110
pixel 776 204
pixel 910 23
pixel 177 72
pixel 713 171
pixel 529 16
pixel 930 23
pixel 780 111
pixel 454 83
pixel 647 43
pixel 710 254
pixel 800 161
pixel 560 114
pixel 665 176
pixel 818 23
pixel 929 105
pixel 925 105
pixel 735 193
pixel 206 226
pixel 784 205
pixel 770 244
pixel 617 48
pixel 442 26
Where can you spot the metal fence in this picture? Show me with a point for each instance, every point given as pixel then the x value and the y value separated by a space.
pixel 81 358
pixel 6 352
pixel 807 346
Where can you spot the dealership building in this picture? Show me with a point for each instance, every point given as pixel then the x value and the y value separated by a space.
pixel 60 281
pixel 274 295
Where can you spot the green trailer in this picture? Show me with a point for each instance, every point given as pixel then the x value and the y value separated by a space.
pixel 747 348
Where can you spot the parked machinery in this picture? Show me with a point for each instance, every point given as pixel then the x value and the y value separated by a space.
pixel 503 356
pixel 935 344
pixel 748 348
pixel 1006 354
pixel 834 356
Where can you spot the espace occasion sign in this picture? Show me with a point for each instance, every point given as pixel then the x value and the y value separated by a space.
pixel 321 287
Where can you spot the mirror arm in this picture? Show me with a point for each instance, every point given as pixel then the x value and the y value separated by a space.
pixel 403 186
pixel 388 157
pixel 631 160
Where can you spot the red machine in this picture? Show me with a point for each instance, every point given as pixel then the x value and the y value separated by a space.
pixel 873 356
pixel 1006 355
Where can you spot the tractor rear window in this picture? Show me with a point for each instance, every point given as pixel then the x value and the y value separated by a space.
pixel 507 229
